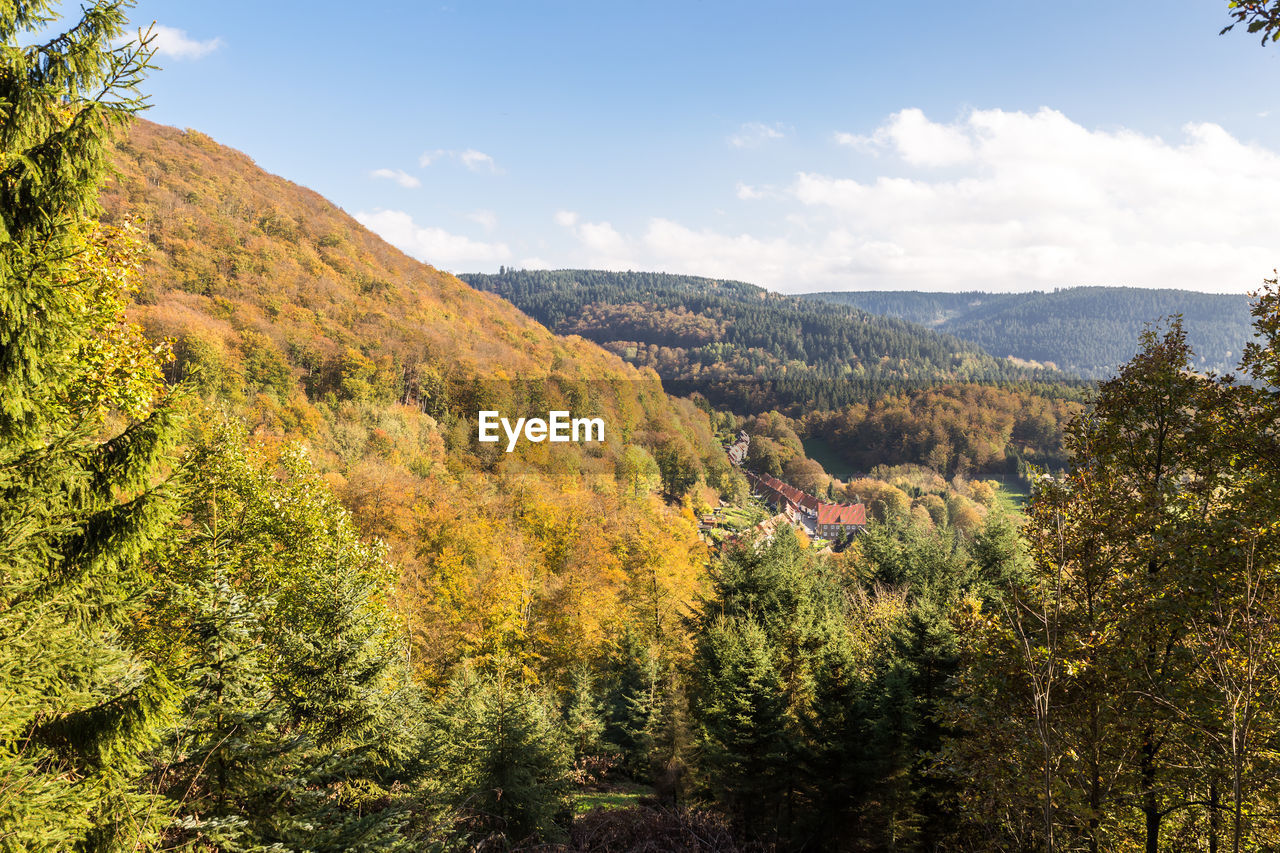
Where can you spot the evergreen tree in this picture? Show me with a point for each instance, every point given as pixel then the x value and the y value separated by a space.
pixel 835 754
pixel 757 644
pixel 670 736
pixel 906 735
pixel 231 754
pixel 500 755
pixel 744 746
pixel 82 701
pixel 299 718
pixel 584 715
pixel 630 701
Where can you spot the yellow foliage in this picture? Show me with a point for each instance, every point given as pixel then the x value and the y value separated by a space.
pixel 297 318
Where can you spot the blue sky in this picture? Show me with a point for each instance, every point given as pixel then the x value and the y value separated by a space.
pixel 801 146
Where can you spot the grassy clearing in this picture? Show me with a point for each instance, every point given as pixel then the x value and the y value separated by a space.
pixel 821 451
pixel 1014 493
pixel 620 796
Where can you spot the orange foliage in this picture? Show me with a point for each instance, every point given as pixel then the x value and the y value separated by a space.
pixel 307 325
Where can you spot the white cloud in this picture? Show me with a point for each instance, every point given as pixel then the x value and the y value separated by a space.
pixel 600 245
pixel 1025 200
pixel 749 193
pixel 601 237
pixel 755 133
pixel 476 161
pixel 176 44
pixel 486 219
pixel 534 263
pixel 401 177
pixel 739 256
pixel 1040 200
pixel 864 144
pixel 436 246
pixel 917 140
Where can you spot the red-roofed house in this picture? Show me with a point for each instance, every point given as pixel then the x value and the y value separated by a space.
pixel 825 520
pixel 834 519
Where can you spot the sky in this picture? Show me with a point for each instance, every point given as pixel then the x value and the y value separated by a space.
pixel 985 145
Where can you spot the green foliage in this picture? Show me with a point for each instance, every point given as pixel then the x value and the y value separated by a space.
pixel 630 702
pixel 297 691
pixel 1257 16
pixel 764 456
pixel 265 367
pixel 1261 357
pixel 499 751
pixel 637 471
pixel 233 749
pixel 678 469
pixel 744 745
pixel 204 364
pixel 584 721
pixel 905 732
pixel 818 687
pixel 81 449
pixel 765 664
pixel 901 552
pixel 1150 580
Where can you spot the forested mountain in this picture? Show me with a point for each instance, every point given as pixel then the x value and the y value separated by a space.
pixel 291 314
pixel 746 347
pixel 877 390
pixel 1087 331
pixel 288 322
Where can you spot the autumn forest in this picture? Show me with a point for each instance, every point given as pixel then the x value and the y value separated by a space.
pixel 263 587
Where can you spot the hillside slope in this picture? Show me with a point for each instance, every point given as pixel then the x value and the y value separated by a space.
pixel 233 243
pixel 1088 331
pixel 285 311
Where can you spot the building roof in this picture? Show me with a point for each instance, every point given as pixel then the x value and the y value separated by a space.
pixel 847 514
pixel 841 514
pixel 770 526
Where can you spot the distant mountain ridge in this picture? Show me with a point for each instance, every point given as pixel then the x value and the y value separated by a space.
pixel 1087 331
pixel 746 347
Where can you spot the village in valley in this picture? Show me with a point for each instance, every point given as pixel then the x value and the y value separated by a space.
pixel 823 523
